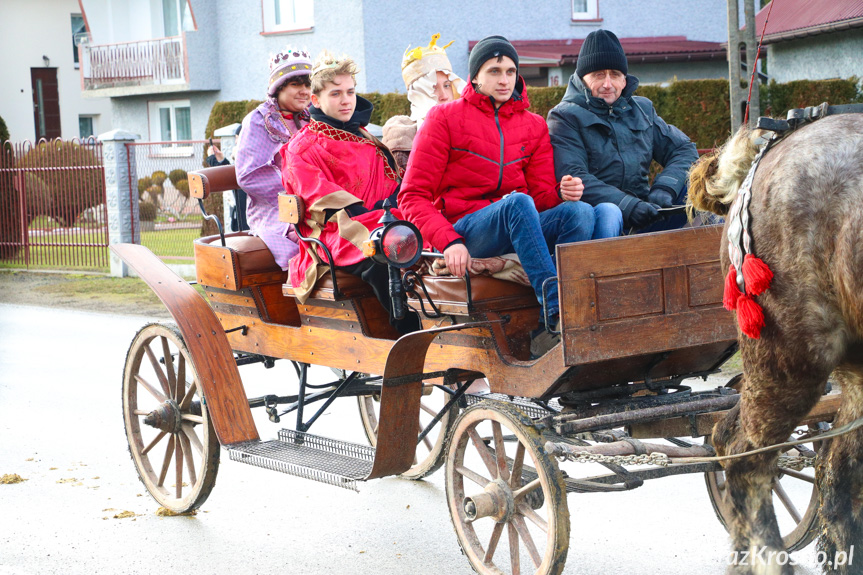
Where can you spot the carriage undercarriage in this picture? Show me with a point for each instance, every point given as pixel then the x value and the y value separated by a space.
pixel 606 410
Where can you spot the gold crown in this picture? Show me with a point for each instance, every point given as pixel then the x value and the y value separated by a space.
pixel 420 52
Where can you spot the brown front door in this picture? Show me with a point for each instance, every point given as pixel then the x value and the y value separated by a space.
pixel 46 102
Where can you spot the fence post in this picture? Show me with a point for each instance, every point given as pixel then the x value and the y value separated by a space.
pixel 120 177
pixel 228 141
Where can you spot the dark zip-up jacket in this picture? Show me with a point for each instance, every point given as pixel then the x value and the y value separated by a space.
pixel 467 155
pixel 610 147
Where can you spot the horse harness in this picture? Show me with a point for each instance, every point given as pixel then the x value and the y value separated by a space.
pixel 738 230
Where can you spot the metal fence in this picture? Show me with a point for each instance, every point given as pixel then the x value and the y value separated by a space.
pixel 159 61
pixel 170 220
pixel 52 205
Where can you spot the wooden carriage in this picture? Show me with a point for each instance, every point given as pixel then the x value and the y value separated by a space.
pixel 639 315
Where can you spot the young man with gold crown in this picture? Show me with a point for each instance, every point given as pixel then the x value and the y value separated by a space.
pixel 430 81
pixel 343 175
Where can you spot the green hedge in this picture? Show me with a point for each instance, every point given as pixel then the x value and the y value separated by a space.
pixel 783 97
pixel 699 108
pixel 227 113
pixel 4 131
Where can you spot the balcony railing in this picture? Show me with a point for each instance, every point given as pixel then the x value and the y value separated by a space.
pixel 160 61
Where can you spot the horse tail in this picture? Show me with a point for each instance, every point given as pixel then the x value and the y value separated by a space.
pixel 715 178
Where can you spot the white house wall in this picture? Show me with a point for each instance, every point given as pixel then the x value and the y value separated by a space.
pixel 116 21
pixel 245 52
pixel 29 30
pixel 391 25
pixel 833 55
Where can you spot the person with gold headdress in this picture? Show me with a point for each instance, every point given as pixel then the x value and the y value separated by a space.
pixel 343 175
pixel 430 81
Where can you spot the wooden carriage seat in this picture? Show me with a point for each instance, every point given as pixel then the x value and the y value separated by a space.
pixel 244 261
pixel 487 294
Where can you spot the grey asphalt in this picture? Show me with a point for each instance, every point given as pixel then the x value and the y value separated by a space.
pixel 61 429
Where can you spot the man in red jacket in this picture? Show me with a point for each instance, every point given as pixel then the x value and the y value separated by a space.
pixel 480 181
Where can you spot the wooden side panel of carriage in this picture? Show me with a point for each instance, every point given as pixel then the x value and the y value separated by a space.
pixel 651 304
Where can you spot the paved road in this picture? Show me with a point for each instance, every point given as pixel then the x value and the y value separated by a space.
pixel 61 428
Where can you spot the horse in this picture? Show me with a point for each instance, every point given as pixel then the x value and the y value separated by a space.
pixel 806 225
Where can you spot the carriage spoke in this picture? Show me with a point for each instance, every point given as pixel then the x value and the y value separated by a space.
pixel 181 377
pixel 190 462
pixel 192 437
pixel 169 367
pixel 517 464
pixel 513 548
pixel 167 461
pixel 178 466
pixel 426 440
pixel 154 442
pixel 492 543
pixel 500 451
pixel 521 527
pixel 786 501
pixel 160 373
pixel 534 517
pixel 484 452
pixel 141 412
pixel 428 409
pixel 472 475
pixel 153 391
pixel 190 394
pixel 192 418
pixel 526 489
pixel 797 475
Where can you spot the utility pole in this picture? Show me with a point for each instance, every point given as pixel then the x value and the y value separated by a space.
pixel 738 79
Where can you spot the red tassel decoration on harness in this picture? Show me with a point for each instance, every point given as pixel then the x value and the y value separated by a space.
pixel 732 292
pixel 756 275
pixel 750 316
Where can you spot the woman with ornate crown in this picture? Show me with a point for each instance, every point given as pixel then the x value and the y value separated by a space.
pixel 265 130
pixel 343 175
pixel 430 81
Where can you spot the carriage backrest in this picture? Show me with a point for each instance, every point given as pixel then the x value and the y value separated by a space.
pixel 206 181
pixel 649 303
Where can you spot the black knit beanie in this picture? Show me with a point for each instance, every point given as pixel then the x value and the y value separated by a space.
pixel 488 48
pixel 601 51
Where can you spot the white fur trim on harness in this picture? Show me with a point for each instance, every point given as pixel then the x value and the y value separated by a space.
pixel 739 240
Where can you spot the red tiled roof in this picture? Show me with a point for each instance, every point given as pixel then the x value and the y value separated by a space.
pixel 648 49
pixel 799 18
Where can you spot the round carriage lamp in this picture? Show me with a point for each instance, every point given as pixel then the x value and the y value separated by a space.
pixel 398 244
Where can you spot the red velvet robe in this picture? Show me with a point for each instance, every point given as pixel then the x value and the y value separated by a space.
pixel 331 169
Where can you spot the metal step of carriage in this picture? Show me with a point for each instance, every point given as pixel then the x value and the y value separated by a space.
pixel 323 459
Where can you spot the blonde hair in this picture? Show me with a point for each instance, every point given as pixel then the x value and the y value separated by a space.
pixel 327 67
pixel 716 177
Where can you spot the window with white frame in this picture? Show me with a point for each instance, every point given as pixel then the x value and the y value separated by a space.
pixel 170 121
pixel 585 9
pixel 85 127
pixel 176 17
pixel 287 15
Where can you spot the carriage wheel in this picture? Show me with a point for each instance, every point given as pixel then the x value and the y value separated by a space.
pixel 795 497
pixel 506 496
pixel 171 438
pixel 430 451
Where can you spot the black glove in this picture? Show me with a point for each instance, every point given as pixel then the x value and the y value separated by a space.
pixel 379 205
pixel 661 197
pixel 643 214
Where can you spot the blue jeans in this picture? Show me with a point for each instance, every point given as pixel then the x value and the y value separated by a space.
pixel 512 224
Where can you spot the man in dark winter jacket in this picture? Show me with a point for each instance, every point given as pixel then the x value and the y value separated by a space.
pixel 604 135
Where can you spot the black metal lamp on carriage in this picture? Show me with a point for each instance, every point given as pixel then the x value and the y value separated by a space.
pixel 398 245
